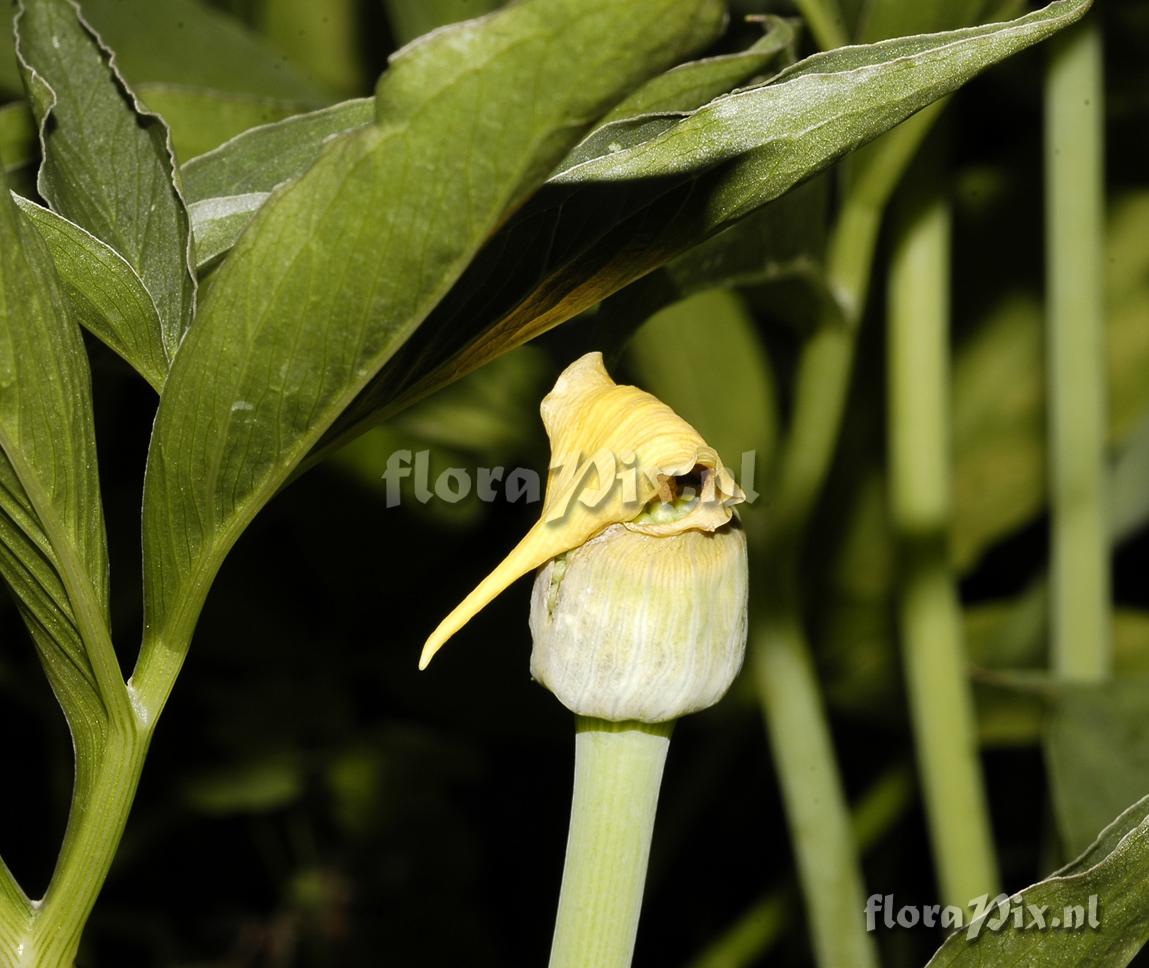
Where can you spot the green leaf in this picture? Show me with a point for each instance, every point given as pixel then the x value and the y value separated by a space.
pixel 187 42
pixel 201 119
pixel 663 101
pixel 846 96
pixel 52 546
pixel 107 166
pixel 690 86
pixel 341 266
pixel 103 292
pixel 1115 870
pixel 1097 751
pixel 609 220
pixel 262 158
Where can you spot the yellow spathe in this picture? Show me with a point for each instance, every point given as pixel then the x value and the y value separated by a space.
pixel 614 449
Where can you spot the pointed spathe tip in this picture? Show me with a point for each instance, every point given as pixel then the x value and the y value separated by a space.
pixel 428 653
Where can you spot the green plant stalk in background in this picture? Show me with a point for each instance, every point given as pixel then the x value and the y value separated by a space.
pixel 618 772
pixel 940 695
pixel 791 698
pixel 787 682
pixel 762 925
pixel 824 845
pixel 792 702
pixel 1075 226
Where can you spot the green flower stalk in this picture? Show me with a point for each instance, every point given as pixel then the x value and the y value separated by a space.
pixel 638 617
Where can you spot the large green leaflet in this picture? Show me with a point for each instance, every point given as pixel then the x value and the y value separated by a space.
pixel 107 166
pixel 260 159
pixel 612 218
pixel 341 266
pixel 1114 870
pixel 228 185
pixel 52 546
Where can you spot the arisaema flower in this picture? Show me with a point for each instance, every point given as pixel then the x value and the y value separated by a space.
pixel 640 610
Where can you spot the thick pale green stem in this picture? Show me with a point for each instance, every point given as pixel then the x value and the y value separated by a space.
pixel 52 936
pixel 618 772
pixel 941 698
pixel 1074 168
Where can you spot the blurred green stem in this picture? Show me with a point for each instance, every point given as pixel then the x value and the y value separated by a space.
pixel 618 772
pixel 828 865
pixel 787 683
pixel 1074 165
pixel 792 702
pixel 824 18
pixel 940 695
pixel 826 854
pixel 757 930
